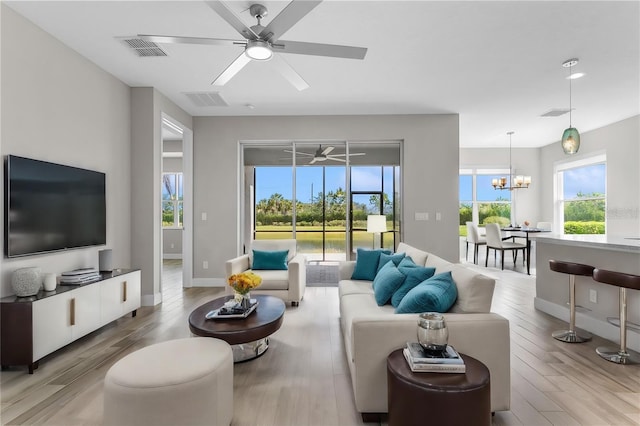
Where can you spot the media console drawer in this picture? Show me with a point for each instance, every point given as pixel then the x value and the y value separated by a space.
pixel 33 327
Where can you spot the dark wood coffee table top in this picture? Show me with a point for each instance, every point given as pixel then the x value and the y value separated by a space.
pixel 261 323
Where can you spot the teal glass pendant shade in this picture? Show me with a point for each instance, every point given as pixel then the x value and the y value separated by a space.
pixel 571 140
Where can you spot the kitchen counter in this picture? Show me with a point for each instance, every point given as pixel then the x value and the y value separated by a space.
pixel 598 301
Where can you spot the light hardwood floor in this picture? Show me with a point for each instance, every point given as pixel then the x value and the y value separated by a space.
pixel 303 379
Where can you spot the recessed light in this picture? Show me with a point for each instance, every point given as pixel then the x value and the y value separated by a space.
pixel 250 106
pixel 576 75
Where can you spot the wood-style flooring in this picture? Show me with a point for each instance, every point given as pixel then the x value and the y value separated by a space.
pixel 303 378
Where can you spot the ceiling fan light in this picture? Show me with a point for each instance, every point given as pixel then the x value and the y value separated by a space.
pixel 570 140
pixel 258 50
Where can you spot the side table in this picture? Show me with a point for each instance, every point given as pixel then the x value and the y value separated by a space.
pixel 438 398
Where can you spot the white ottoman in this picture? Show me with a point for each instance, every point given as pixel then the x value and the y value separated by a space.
pixel 179 382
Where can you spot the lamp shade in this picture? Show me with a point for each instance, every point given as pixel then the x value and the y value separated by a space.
pixel 376 223
pixel 570 140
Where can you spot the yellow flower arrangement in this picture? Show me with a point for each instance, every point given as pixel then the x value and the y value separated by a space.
pixel 243 283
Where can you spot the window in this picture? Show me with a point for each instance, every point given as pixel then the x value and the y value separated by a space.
pixel 172 200
pixel 479 201
pixel 580 196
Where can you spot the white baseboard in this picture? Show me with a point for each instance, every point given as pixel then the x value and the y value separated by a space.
pixel 151 299
pixel 209 282
pixel 172 256
pixel 588 323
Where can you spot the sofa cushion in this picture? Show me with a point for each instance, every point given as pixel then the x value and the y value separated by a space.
pixel 270 260
pixel 387 281
pixel 413 276
pixel 439 263
pixel 384 258
pixel 273 245
pixel 419 257
pixel 407 262
pixel 273 280
pixel 346 287
pixel 475 290
pixel 367 264
pixel 437 294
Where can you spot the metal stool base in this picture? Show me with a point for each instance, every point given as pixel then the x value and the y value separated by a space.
pixel 569 336
pixel 617 356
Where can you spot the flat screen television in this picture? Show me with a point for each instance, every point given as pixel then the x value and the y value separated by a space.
pixel 51 207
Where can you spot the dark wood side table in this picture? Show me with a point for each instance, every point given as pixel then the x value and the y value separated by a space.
pixel 438 398
pixel 248 337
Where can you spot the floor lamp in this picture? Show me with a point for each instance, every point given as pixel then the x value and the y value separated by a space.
pixel 376 224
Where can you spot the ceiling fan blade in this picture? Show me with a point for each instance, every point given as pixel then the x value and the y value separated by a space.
pixel 289 73
pixel 328 150
pixel 313 161
pixel 320 49
pixel 350 154
pixel 330 157
pixel 232 19
pixel 190 40
pixel 299 153
pixel 231 70
pixel 290 15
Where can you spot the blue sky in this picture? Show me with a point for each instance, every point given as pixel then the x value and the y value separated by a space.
pixel 278 180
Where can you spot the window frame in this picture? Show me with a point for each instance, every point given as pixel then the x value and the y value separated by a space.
pixel 484 171
pixel 558 187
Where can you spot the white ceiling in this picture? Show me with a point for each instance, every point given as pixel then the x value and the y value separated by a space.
pixel 497 64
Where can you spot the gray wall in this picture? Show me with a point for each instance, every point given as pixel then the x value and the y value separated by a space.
pixel 59 107
pixel 172 238
pixel 430 175
pixel 147 106
pixel 621 142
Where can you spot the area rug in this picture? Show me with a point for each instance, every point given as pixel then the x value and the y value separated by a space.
pixel 322 275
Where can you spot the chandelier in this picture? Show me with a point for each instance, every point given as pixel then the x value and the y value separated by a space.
pixel 518 182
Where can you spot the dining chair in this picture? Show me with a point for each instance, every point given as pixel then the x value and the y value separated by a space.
pixel 495 242
pixel 473 237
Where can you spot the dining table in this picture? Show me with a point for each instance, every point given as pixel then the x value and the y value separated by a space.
pixel 526 230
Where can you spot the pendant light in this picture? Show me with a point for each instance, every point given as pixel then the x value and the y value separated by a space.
pixel 518 182
pixel 570 137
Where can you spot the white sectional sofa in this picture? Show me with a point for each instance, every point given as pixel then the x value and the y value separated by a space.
pixel 372 332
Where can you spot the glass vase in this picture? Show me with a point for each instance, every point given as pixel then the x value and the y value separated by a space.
pixel 433 334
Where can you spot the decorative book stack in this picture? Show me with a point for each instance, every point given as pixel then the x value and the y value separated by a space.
pixel 420 361
pixel 79 276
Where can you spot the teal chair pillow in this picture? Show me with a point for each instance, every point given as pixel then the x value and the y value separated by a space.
pixel 367 264
pixel 414 276
pixel 385 257
pixel 271 260
pixel 386 282
pixel 437 294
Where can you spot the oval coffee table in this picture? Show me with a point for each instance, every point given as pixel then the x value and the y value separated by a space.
pixel 248 337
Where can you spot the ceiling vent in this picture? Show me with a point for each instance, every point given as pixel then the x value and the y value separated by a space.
pixel 556 112
pixel 144 48
pixel 207 99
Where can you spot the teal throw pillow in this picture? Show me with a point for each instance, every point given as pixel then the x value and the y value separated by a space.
pixel 384 258
pixel 273 260
pixel 414 276
pixel 367 264
pixel 386 282
pixel 407 262
pixel 437 294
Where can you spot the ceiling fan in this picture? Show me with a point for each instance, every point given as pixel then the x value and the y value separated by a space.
pixel 324 155
pixel 263 43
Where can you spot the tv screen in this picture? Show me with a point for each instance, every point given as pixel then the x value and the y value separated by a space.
pixel 51 207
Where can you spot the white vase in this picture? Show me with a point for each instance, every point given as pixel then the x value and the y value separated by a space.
pixel 26 281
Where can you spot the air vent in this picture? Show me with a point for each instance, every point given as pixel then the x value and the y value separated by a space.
pixel 556 112
pixel 207 99
pixel 144 48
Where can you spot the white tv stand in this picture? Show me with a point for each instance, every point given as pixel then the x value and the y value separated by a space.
pixel 33 327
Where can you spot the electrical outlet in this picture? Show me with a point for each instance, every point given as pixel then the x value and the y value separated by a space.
pixel 593 296
pixel 438 216
pixel 205 264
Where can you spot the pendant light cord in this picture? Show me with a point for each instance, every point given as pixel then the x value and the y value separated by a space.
pixel 570 67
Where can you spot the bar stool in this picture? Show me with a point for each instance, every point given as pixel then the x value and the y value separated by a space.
pixel 624 281
pixel 573 269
